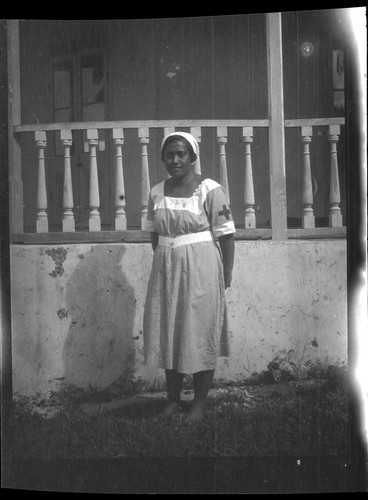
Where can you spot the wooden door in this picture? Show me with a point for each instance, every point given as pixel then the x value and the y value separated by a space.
pixel 79 95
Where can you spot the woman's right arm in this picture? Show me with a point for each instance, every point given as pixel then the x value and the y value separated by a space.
pixel 154 240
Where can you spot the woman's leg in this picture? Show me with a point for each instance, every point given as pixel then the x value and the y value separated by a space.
pixel 202 382
pixel 174 382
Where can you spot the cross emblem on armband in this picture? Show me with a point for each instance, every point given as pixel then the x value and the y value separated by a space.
pixel 225 212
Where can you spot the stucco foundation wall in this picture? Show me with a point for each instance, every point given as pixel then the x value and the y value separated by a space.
pixel 77 312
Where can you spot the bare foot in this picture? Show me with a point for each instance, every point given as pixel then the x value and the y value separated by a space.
pixel 169 409
pixel 195 415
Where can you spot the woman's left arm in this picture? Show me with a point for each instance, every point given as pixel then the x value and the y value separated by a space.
pixel 228 250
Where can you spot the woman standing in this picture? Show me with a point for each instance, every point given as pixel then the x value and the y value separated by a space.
pixel 185 326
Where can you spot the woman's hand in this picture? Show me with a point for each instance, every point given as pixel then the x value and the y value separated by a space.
pixel 227 249
pixel 228 277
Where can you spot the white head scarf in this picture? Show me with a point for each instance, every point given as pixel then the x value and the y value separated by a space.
pixel 189 137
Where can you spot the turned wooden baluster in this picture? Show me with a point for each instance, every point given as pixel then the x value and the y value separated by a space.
pixel 196 133
pixel 335 219
pixel 120 215
pixel 222 140
pixel 68 224
pixel 94 194
pixel 42 224
pixel 143 134
pixel 249 213
pixel 308 219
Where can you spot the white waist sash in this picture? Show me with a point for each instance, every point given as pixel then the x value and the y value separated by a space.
pixel 185 239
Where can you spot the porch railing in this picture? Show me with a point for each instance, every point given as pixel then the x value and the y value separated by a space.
pixel 333 129
pixel 250 229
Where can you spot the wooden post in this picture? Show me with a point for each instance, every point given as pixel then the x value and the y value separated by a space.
pixel 249 213
pixel 222 140
pixel 11 209
pixel 68 202
pixel 42 225
pixel 120 216
pixel 143 134
pixel 196 133
pixel 14 118
pixel 167 131
pixel 335 218
pixel 94 193
pixel 276 126
pixel 308 220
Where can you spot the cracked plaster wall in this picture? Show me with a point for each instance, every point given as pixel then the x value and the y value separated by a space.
pixel 77 312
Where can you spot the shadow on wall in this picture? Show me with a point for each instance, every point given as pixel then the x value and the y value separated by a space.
pixel 99 348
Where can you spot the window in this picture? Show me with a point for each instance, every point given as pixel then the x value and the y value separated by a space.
pixel 338 81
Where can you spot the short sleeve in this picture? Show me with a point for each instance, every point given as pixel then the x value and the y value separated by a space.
pixel 218 212
pixel 148 226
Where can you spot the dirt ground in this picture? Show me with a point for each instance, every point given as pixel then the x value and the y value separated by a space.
pixel 266 407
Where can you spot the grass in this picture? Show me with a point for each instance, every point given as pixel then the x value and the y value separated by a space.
pixel 305 419
pixel 287 436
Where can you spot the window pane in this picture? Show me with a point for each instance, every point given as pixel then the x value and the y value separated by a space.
pixel 63 85
pixel 338 69
pixel 92 79
pixel 93 112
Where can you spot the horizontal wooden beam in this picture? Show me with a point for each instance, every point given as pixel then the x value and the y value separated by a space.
pixel 253 234
pixel 138 236
pixel 317 233
pixel 314 122
pixel 127 236
pixel 130 236
pixel 132 124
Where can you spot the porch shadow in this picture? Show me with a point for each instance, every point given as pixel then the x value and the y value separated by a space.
pixel 101 305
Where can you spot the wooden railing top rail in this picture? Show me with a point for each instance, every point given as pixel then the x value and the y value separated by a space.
pixel 139 236
pixel 314 122
pixel 131 124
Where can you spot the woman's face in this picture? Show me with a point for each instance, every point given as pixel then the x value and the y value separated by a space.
pixel 177 159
